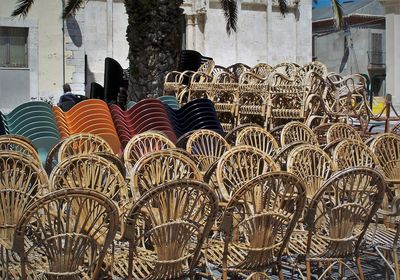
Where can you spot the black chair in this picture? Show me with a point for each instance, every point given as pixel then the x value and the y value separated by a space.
pixel 96 91
pixel 113 79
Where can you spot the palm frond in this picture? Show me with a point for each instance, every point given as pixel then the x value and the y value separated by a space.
pixel 22 8
pixel 72 7
pixel 283 6
pixel 338 14
pixel 229 8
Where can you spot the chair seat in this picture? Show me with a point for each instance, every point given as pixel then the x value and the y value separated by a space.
pixel 238 259
pixel 320 248
pixel 141 267
pixel 381 235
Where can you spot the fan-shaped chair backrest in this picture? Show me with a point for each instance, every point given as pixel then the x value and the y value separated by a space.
pixel 259 138
pixel 261 218
pixel 311 164
pixel 160 167
pixel 386 147
pixel 297 131
pixel 178 216
pixel 206 146
pixel 83 143
pixel 71 228
pixel 239 165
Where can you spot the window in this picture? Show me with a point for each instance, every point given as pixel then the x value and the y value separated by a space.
pixel 13 47
pixel 376 50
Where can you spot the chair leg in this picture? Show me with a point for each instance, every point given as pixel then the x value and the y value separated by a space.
pixel 308 266
pixel 396 263
pixel 280 272
pixel 359 267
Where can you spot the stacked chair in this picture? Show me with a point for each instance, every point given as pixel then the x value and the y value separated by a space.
pixel 197 114
pixel 89 116
pixel 170 101
pixel 146 115
pixel 35 121
pixel 263 94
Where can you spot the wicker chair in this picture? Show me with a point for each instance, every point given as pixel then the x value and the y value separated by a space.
pixel 206 146
pixel 20 172
pixel 311 164
pixel 282 155
pixel 297 131
pixel 341 131
pixel 238 69
pixel 259 138
pixel 160 167
pixel 19 144
pixel 385 236
pixel 143 144
pixel 166 228
pixel 337 219
pixel 225 96
pixel 22 181
pixel 201 86
pixel 257 224
pixel 262 70
pixel 386 147
pixel 65 235
pixel 81 144
pixel 253 99
pixel 320 131
pixel 239 165
pixel 232 135
pixel 352 153
pixel 91 172
pixel 396 129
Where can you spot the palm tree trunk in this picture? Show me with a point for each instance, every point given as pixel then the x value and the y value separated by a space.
pixel 153 37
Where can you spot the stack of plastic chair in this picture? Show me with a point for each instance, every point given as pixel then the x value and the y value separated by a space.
pixel 148 114
pixel 90 116
pixel 197 114
pixel 130 104
pixel 170 100
pixel 34 120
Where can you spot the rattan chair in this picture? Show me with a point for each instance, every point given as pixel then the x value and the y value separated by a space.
pixel 65 235
pixel 386 147
pixel 232 135
pixel 20 172
pixel 91 172
pixel 320 131
pixel 259 138
pixel 282 155
pixel 22 181
pixel 239 165
pixel 143 144
pixel 19 144
pixel 341 131
pixel 166 228
pixel 337 219
pixel 311 164
pixel 384 237
pixel 396 129
pixel 206 147
pixel 81 144
pixel 160 167
pixel 353 153
pixel 257 224
pixel 297 131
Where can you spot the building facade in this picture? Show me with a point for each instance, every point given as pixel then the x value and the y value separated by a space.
pixel 42 52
